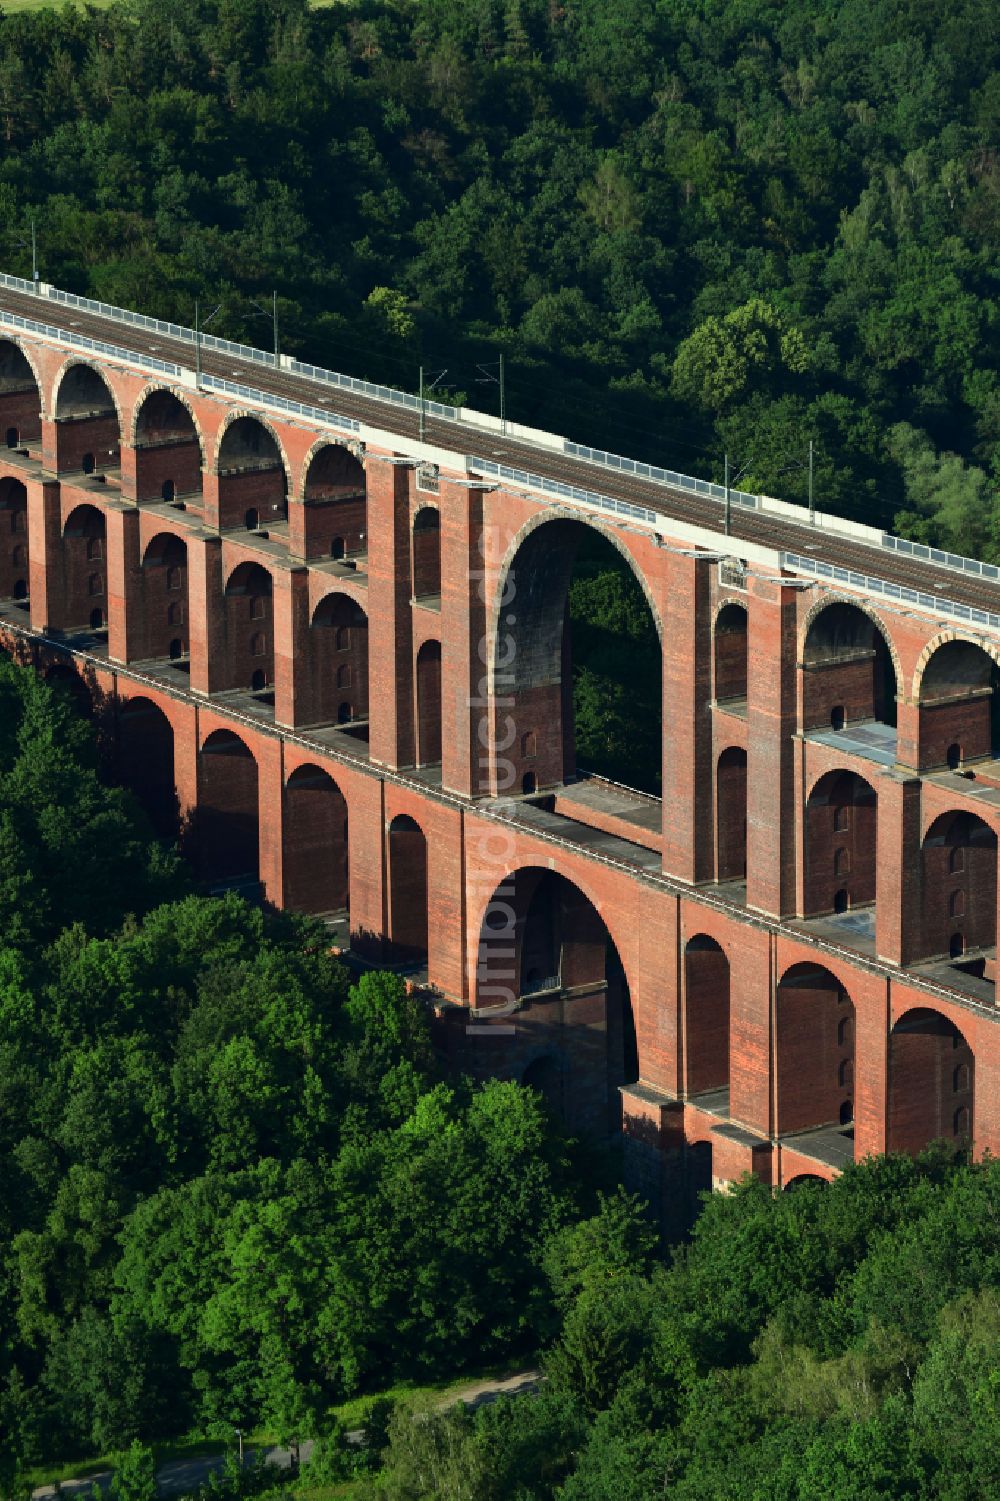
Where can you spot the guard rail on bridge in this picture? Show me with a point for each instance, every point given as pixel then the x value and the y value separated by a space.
pixel 467 416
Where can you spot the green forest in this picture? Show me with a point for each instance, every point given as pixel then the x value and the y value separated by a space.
pixel 237 1187
pixel 692 227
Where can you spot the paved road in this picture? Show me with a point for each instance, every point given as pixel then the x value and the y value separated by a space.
pixel 182 1476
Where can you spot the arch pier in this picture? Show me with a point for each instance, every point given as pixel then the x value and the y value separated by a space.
pixel 701 847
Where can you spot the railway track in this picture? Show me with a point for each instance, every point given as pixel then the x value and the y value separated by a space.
pixel 769 531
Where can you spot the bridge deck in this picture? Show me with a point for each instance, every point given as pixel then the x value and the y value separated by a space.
pixel 755 527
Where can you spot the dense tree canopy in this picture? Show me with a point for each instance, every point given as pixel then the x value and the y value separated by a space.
pixel 829 1344
pixel 692 227
pixel 234 1186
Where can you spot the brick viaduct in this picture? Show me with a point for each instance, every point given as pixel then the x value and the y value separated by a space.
pixel 336 662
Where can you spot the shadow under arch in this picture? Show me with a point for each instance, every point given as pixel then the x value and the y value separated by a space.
pixel 169 448
pixel 955 685
pixel 226 834
pixel 145 762
pixel 730 660
pixel 165 604
pixel 85 572
pixel 20 397
pixel 576 672
pixel 408 892
pixel 546 952
pixel 425 577
pixel 814 1050
pixel 249 615
pixel 14 540
pixel 850 671
pixel 338 639
pixel 706 1017
pixel 958 869
pixel 315 843
pixel 88 420
pixel 841 845
pixel 253 473
pixel 931 1082
pixel 335 497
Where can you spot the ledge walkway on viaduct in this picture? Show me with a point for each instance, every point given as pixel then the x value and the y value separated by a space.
pixel 326 636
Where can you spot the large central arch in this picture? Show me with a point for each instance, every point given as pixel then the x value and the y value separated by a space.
pixel 546 951
pixel 610 707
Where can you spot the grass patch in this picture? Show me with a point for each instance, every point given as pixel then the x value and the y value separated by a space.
pixel 75 1469
pixel 353 1414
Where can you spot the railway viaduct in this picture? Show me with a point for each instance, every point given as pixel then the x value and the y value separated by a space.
pixel 326 634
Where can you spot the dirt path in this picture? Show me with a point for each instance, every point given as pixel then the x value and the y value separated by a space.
pixel 179 1477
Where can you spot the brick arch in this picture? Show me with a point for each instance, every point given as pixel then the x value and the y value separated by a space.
pixel 816 1035
pixel 931 1079
pixel 150 389
pixel 345 586
pixel 9 337
pixel 707 1001
pixel 945 1016
pixel 559 513
pixel 233 415
pixel 835 771
pixel 831 968
pixel 723 603
pixel 102 370
pixel 511 870
pixel 247 563
pixel 700 934
pixel 220 733
pixel 942 639
pixel 838 597
pixel 526 634
pixel 315 840
pixel 354 446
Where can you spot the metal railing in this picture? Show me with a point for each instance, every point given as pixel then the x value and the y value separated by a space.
pixel 281 403
pixel 669 478
pixel 943 559
pixel 81 341
pixel 564 492
pixel 374 392
pixel 897 592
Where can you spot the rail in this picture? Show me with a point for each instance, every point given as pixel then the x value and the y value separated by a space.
pixel 669 478
pixel 487 467
pixel 81 341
